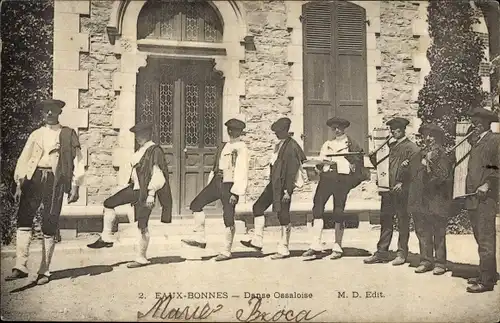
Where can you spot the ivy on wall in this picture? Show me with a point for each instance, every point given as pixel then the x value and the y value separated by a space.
pixel 26 78
pixel 453 85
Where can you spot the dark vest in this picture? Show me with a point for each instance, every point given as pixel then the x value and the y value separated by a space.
pixel 154 155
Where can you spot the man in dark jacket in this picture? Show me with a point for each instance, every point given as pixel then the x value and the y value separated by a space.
pixel 285 165
pixel 50 165
pixel 429 198
pixel 401 151
pixel 483 179
pixel 338 176
pixel 148 179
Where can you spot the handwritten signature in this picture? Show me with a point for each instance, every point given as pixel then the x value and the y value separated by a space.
pixel 288 315
pixel 161 309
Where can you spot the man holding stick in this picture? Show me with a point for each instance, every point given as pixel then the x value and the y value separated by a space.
pixel 429 199
pixel 339 174
pixel 482 183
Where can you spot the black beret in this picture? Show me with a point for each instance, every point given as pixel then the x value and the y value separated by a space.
pixel 397 123
pixel 336 121
pixel 432 129
pixel 143 125
pixel 235 124
pixel 484 114
pixel 52 105
pixel 281 124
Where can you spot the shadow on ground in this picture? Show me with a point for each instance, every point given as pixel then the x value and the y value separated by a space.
pixel 95 270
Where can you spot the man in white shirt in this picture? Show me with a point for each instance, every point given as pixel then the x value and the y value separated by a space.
pixel 50 165
pixel 148 179
pixel 227 182
pixel 339 174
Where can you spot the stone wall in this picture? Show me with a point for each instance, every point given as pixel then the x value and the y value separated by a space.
pixel 266 72
pixel 100 100
pixel 397 74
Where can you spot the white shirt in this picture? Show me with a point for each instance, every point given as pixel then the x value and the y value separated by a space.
pixel 36 153
pixel 157 178
pixel 336 146
pixel 274 155
pixel 50 141
pixel 481 136
pixel 233 162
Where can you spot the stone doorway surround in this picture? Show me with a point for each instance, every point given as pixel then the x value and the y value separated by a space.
pixel 122 30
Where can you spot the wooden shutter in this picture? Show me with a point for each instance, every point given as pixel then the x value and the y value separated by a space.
pixel 334 72
pixel 319 79
pixel 351 86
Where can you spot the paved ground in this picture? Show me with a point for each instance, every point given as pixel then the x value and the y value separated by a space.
pixel 96 285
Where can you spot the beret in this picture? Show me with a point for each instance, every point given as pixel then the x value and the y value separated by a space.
pixel 431 128
pixel 281 124
pixel 143 125
pixel 484 114
pixel 235 124
pixel 336 121
pixel 397 123
pixel 51 104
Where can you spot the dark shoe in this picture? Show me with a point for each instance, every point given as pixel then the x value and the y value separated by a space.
pixel 398 261
pixel 249 244
pixel 311 253
pixel 479 288
pixel 194 243
pixel 475 280
pixel 423 269
pixel 221 257
pixel 16 274
pixel 336 255
pixel 439 271
pixel 278 256
pixel 375 259
pixel 42 279
pixel 100 244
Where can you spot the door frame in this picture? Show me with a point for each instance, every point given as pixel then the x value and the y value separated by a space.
pixel 178 130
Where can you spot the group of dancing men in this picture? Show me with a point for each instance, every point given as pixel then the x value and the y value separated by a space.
pixel 420 181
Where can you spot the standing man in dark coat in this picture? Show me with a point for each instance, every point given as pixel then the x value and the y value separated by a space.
pixel 285 169
pixel 50 165
pixel 227 182
pixel 429 198
pixel 401 151
pixel 338 176
pixel 483 177
pixel 148 179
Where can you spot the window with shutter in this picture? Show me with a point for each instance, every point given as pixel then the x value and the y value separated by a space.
pixel 335 80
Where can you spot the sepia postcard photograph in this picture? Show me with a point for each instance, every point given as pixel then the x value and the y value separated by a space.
pixel 250 161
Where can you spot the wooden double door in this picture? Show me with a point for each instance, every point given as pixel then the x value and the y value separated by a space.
pixel 183 98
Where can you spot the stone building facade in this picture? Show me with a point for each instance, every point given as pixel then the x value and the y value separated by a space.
pixel 107 53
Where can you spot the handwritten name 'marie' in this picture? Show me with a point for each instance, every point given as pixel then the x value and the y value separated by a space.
pixel 161 310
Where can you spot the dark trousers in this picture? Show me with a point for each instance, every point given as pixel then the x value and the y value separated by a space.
pixel 483 225
pixel 394 204
pixel 266 199
pixel 331 184
pixel 431 234
pixel 130 196
pixel 40 190
pixel 216 190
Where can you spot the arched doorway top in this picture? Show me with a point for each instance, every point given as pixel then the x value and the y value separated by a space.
pixel 125 13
